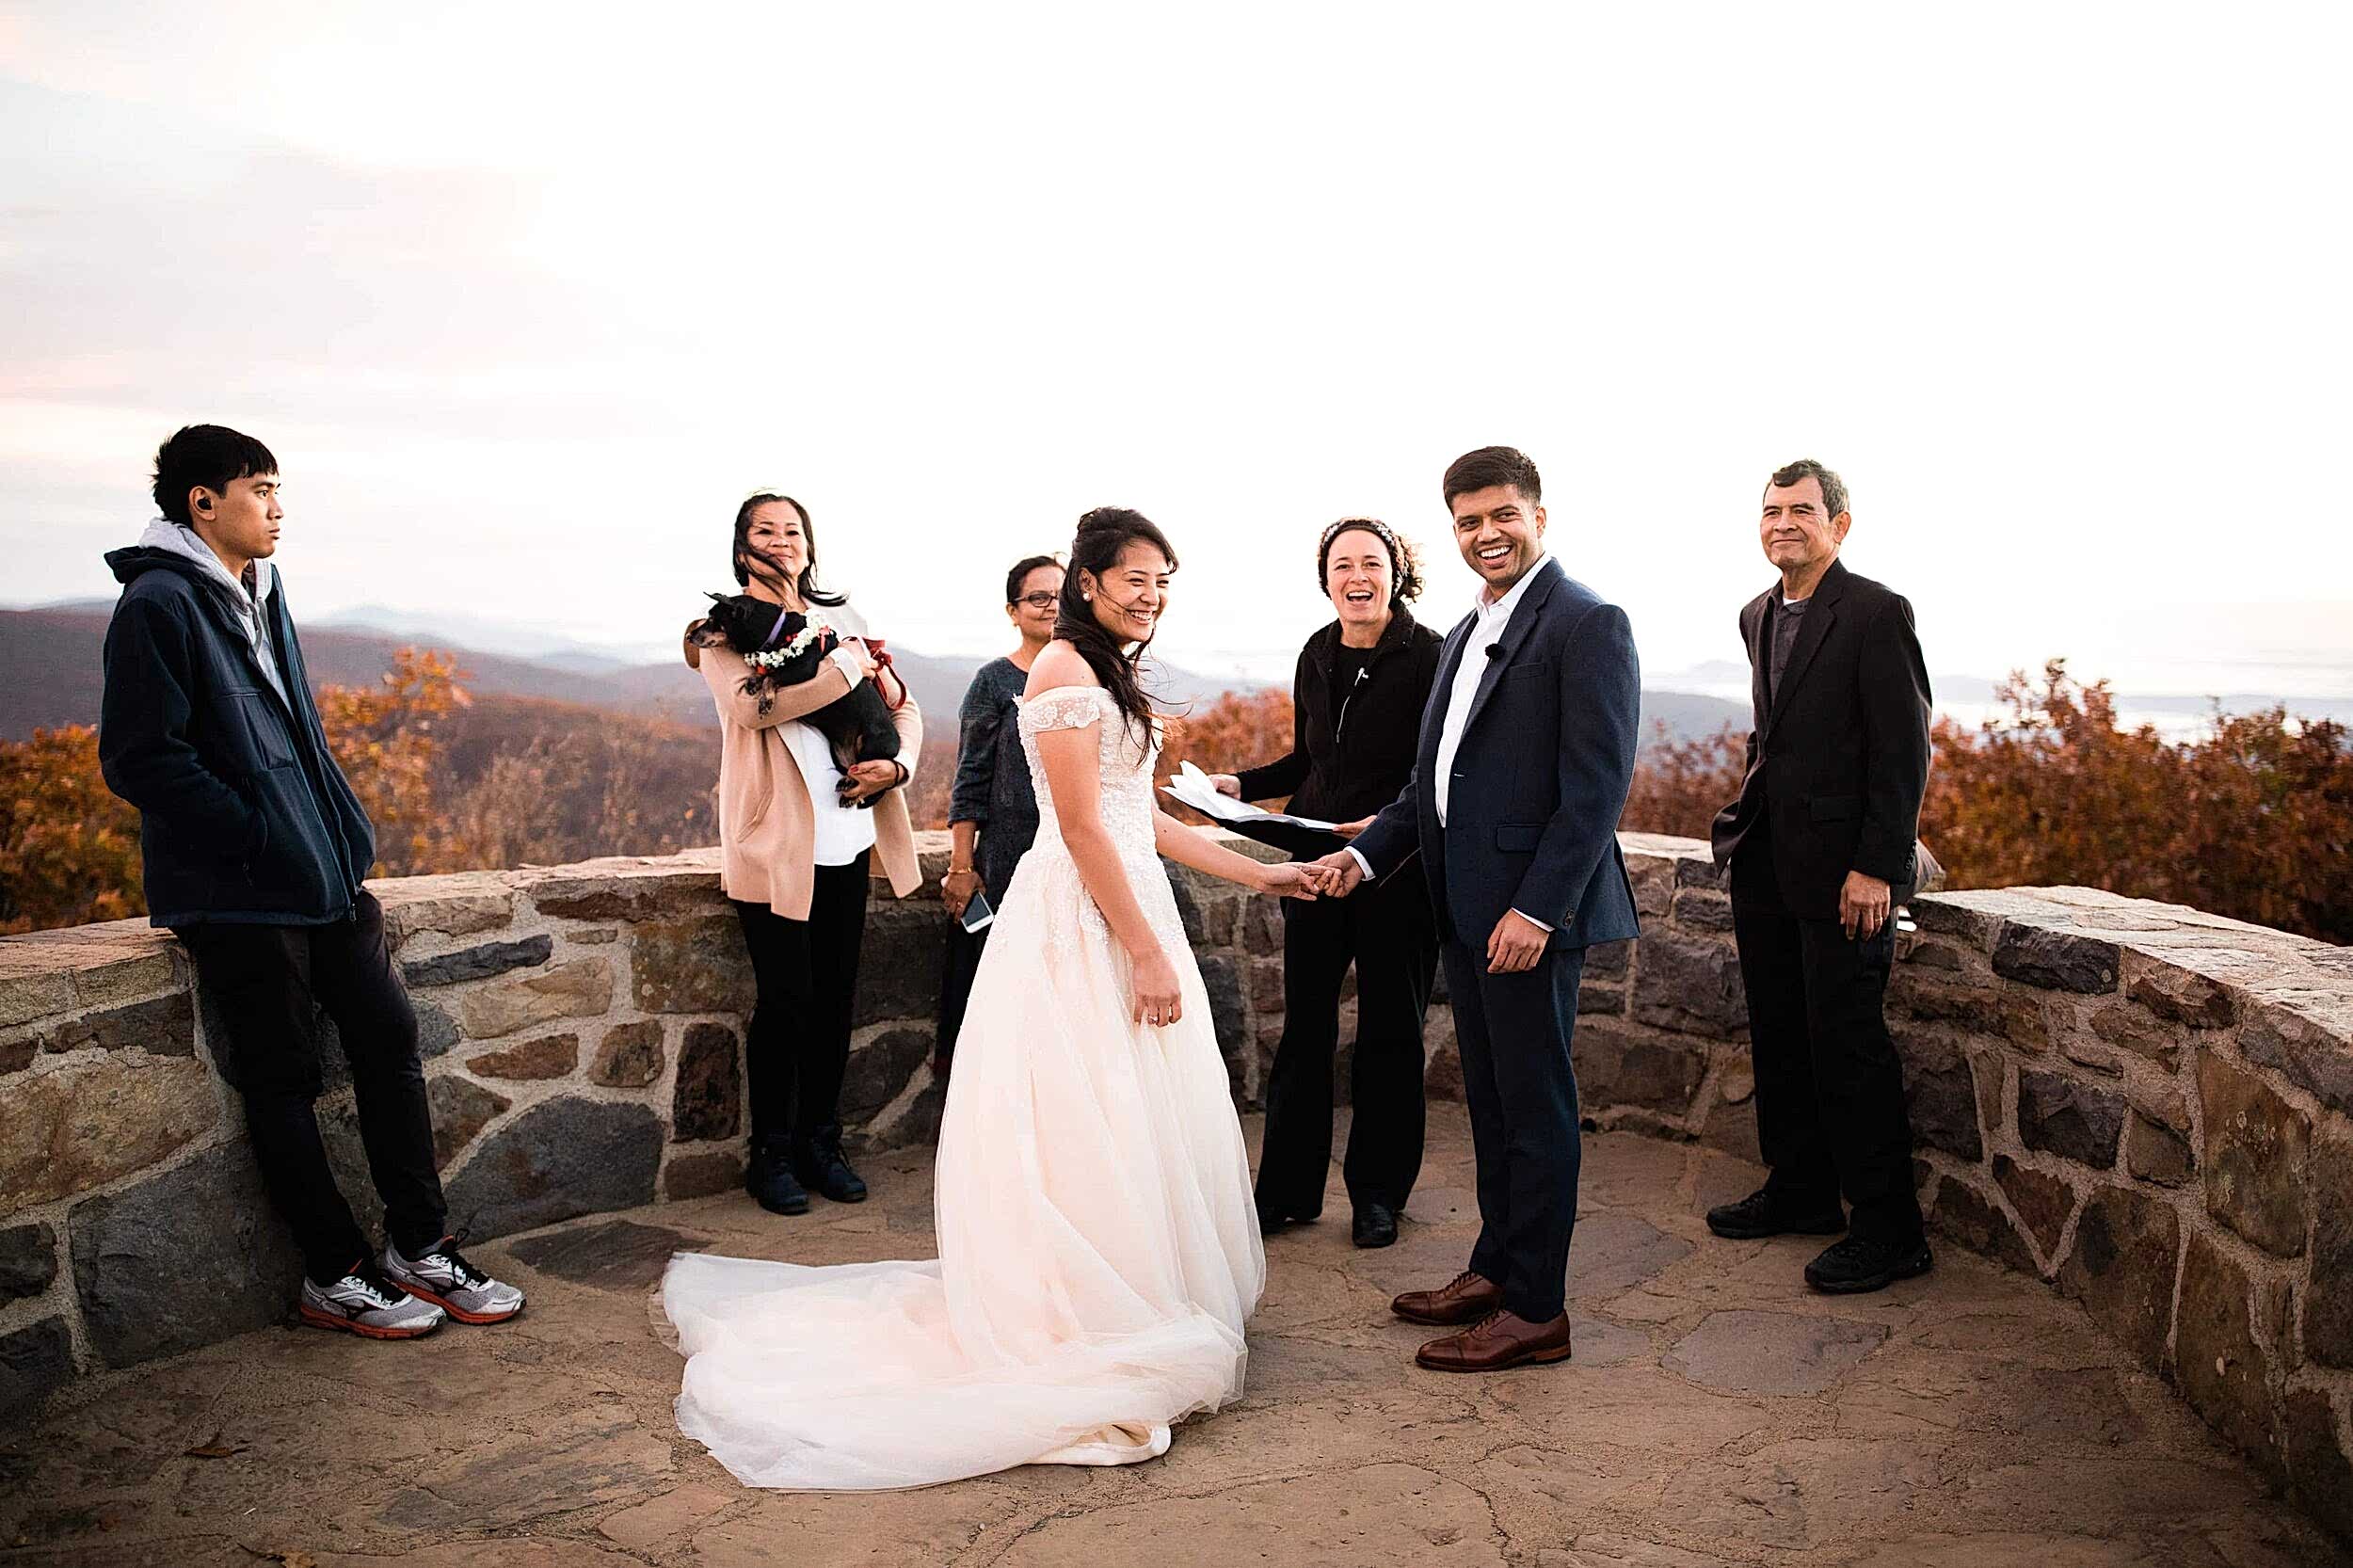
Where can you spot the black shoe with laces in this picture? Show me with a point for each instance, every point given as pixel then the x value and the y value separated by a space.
pixel 819 1163
pixel 1761 1214
pixel 1862 1263
pixel 770 1180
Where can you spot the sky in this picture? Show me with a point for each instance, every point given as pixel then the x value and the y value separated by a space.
pixel 526 298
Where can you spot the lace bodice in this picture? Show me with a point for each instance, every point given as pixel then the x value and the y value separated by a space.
pixel 1125 803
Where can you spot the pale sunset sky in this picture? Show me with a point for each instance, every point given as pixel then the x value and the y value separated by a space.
pixel 526 297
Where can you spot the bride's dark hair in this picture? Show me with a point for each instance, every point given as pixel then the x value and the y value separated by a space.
pixel 1103 534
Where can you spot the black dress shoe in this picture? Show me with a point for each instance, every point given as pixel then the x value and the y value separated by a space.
pixel 770 1180
pixel 1273 1220
pixel 1861 1263
pixel 819 1164
pixel 1762 1214
pixel 1375 1226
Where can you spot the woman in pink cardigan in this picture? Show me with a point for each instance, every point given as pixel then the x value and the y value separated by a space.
pixel 797 834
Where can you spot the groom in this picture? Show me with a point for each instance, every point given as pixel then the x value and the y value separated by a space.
pixel 1525 755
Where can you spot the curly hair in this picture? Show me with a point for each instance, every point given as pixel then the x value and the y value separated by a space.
pixel 1404 560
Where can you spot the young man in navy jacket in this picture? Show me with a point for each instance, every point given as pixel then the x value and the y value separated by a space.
pixel 254 849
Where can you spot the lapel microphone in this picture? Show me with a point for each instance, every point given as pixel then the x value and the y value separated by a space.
pixel 1495 651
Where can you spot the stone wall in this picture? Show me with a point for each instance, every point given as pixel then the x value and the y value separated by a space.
pixel 2149 1107
pixel 583 1034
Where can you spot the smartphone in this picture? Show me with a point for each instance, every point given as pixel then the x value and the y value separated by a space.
pixel 977 913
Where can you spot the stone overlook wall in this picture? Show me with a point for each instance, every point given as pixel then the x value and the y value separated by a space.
pixel 2150 1107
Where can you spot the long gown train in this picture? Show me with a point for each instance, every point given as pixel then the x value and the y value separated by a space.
pixel 1099 1253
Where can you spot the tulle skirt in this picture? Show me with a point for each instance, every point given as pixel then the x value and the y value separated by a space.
pixel 1098 1251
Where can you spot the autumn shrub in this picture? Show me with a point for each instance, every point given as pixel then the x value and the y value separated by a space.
pixel 68 848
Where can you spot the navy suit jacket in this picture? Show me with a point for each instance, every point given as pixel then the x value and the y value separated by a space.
pixel 1539 780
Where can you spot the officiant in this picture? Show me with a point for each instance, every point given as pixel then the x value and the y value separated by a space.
pixel 1357 697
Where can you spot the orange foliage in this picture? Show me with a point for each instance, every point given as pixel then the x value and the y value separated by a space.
pixel 383 737
pixel 69 849
pixel 1241 729
pixel 1679 786
pixel 2253 820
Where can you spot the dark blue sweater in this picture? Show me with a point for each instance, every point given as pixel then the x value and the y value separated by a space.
pixel 244 816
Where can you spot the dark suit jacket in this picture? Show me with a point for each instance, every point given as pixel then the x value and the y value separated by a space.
pixel 1839 756
pixel 1540 778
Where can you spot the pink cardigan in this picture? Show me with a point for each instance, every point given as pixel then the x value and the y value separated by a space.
pixel 767 827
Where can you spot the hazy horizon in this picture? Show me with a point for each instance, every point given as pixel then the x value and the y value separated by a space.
pixel 525 300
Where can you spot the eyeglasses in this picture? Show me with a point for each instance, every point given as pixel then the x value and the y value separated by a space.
pixel 1038 601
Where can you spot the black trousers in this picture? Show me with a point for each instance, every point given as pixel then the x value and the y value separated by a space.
pixel 1830 1117
pixel 1390 934
pixel 270 984
pixel 955 985
pixel 798 1044
pixel 1513 1033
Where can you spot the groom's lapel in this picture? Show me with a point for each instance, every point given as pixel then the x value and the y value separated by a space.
pixel 1442 689
pixel 1516 631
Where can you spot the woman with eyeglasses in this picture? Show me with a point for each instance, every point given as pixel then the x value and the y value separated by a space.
pixel 1357 697
pixel 992 810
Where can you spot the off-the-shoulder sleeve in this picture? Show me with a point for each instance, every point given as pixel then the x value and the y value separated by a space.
pixel 1065 708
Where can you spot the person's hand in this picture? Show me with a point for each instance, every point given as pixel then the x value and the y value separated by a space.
pixel 861 779
pixel 1515 945
pixel 1160 999
pixel 1342 872
pixel 956 890
pixel 1303 882
pixel 1350 829
pixel 858 651
pixel 1863 905
pixel 1227 784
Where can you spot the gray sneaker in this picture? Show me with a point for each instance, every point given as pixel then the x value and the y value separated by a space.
pixel 364 1302
pixel 443 1277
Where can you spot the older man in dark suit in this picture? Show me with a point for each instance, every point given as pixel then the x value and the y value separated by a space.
pixel 1525 754
pixel 1821 842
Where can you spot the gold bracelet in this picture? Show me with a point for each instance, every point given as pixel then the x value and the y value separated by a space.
pixel 959 870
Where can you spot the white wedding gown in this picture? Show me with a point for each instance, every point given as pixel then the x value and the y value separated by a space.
pixel 1098 1251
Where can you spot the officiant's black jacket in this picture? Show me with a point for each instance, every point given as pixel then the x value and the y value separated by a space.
pixel 1839 757
pixel 1342 771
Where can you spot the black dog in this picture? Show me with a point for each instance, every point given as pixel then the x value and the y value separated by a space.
pixel 858 723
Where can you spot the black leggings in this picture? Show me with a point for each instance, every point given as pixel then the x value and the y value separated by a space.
pixel 799 1042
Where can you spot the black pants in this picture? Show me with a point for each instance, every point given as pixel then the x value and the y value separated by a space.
pixel 955 985
pixel 270 983
pixel 1391 935
pixel 1829 1090
pixel 1514 1031
pixel 799 1040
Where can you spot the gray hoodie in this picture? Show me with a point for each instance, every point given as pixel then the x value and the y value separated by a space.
pixel 164 535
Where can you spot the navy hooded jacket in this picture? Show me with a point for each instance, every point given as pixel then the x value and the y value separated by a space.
pixel 244 816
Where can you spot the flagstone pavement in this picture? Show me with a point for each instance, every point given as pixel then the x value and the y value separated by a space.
pixel 1716 1413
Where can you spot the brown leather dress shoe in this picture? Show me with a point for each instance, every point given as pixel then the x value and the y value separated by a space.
pixel 1499 1340
pixel 1468 1298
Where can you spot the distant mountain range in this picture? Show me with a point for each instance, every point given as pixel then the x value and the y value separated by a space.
pixel 50 672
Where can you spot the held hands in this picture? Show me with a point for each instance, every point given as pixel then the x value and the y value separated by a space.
pixel 1304 882
pixel 1160 999
pixel 1863 905
pixel 1341 874
pixel 1515 945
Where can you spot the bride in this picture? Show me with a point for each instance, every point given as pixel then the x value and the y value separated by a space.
pixel 1099 1253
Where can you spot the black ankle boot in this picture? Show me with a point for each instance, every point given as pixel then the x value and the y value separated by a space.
pixel 770 1180
pixel 819 1164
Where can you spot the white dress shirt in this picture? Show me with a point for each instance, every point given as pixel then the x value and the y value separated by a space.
pixel 1488 620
